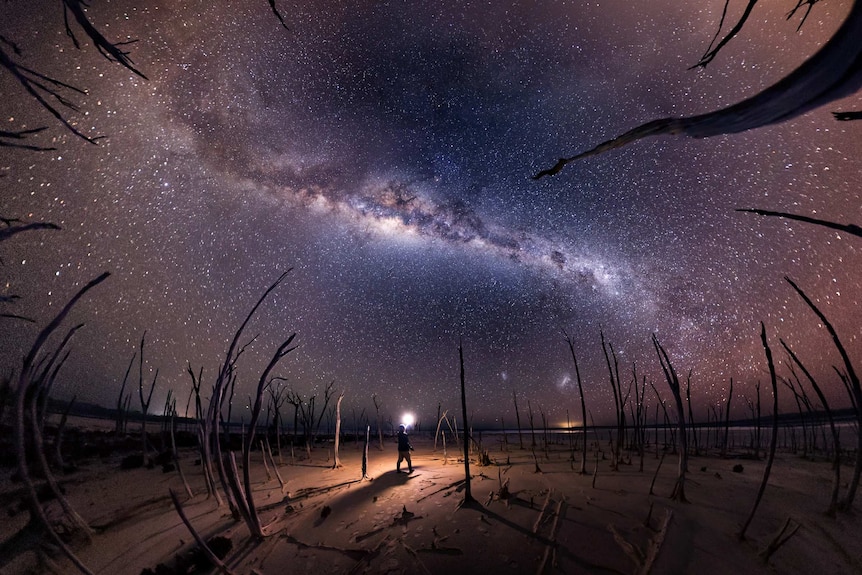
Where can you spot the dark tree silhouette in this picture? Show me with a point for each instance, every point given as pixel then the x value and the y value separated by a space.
pixel 849 228
pixel 13 226
pixel 44 88
pixel 571 344
pixel 831 73
pixel 670 375
pixel 854 389
pixel 774 438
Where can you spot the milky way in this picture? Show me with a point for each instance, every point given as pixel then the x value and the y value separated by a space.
pixel 384 152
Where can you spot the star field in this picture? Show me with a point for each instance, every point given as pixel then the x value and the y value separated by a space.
pixel 384 152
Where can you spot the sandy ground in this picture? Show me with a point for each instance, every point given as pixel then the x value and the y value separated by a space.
pixel 552 521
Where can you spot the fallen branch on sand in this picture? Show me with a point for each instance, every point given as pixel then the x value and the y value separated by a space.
pixel 551 547
pixel 643 559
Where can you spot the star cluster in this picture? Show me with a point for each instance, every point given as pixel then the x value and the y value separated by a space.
pixel 383 151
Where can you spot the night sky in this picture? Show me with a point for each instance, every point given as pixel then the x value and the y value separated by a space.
pixel 383 150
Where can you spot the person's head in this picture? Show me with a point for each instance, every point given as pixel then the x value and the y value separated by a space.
pixel 401 428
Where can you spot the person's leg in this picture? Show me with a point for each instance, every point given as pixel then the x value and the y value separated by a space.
pixel 409 461
pixel 400 459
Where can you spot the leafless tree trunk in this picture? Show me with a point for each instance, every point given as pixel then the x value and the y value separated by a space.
pixel 25 389
pixel 856 395
pixel 518 419
pixel 691 413
pixel 774 439
pixel 836 440
pixel 336 461
pixel 619 407
pixel 379 426
pixel 250 510
pixel 673 382
pixel 468 496
pixel 145 405
pixel 727 420
pixel 571 344
pixel 177 455
pixel 118 427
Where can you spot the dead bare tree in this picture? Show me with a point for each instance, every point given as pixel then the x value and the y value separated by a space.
pixel 518 419
pixel 691 413
pixel 532 427
pixel 25 394
pixel 336 461
pixel 468 496
pixel 836 439
pixel 118 426
pixel 571 344
pixel 856 394
pixel 799 396
pixel 203 433
pixel 277 397
pixel 250 511
pixel 774 440
pixel 379 425
pixel 673 382
pixel 327 396
pixel 212 446
pixel 145 405
pixel 724 443
pixel 639 416
pixel 619 402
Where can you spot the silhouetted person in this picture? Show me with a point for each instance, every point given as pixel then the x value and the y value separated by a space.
pixel 404 449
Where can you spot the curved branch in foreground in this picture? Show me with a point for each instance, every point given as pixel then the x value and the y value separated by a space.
pixel 774 439
pixel 16 226
pixel 849 228
pixel 15 138
pixel 107 48
pixel 854 389
pixel 42 88
pixel 26 384
pixel 833 72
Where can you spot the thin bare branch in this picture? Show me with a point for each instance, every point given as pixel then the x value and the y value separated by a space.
pixel 849 228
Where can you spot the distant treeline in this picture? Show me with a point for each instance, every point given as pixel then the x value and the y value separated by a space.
pixel 95 411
